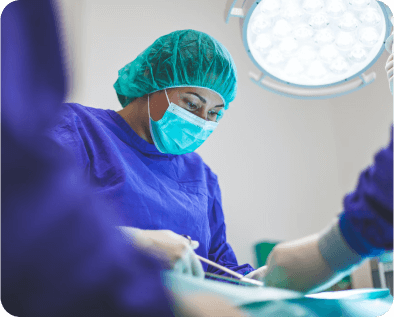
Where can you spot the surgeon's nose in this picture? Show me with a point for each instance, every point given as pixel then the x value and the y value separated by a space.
pixel 201 113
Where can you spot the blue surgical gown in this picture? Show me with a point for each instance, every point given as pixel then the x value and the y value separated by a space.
pixel 367 220
pixel 145 188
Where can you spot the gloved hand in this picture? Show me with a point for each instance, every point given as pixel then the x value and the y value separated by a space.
pixel 389 70
pixel 258 274
pixel 296 265
pixel 310 264
pixel 171 249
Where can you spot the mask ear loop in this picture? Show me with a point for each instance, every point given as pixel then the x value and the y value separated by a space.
pixel 148 108
pixel 165 90
pixel 150 125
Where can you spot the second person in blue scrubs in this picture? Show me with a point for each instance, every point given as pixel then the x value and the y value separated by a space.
pixel 141 159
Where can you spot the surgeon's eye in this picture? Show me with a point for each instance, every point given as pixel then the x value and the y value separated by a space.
pixel 212 115
pixel 191 106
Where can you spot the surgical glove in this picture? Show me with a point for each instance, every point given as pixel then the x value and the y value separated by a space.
pixel 171 249
pixel 296 265
pixel 258 274
pixel 389 70
pixel 310 264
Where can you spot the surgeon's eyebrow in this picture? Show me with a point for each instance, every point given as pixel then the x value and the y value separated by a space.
pixel 201 98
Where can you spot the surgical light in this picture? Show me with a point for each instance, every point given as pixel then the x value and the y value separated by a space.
pixel 336 8
pixel 312 6
pixel 370 17
pixel 271 7
pixel 282 28
pixel 359 4
pixel 293 13
pixel 303 32
pixel 348 22
pixel 312 49
pixel 325 36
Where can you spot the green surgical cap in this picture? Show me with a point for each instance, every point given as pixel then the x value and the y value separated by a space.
pixel 181 58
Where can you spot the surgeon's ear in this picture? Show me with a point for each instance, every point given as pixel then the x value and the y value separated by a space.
pixel 158 105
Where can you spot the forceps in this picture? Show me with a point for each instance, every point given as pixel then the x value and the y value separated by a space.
pixel 224 269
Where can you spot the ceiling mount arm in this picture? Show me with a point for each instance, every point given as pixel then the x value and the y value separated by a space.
pixel 232 11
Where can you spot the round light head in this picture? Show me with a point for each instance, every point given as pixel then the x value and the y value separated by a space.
pixel 315 42
pixel 271 7
pixel 261 23
pixel 335 8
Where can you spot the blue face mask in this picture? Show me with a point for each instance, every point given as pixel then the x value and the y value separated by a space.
pixel 179 131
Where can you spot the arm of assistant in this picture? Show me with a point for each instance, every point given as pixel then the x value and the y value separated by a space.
pixel 363 230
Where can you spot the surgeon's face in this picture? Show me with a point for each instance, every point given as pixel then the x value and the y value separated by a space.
pixel 202 102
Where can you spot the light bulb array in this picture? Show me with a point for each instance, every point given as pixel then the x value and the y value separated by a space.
pixel 315 42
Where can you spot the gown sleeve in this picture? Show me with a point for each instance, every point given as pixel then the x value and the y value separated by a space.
pixel 367 220
pixel 220 250
pixel 60 256
pixel 69 133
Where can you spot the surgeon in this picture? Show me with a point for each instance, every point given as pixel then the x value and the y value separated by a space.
pixel 363 230
pixel 59 254
pixel 142 158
